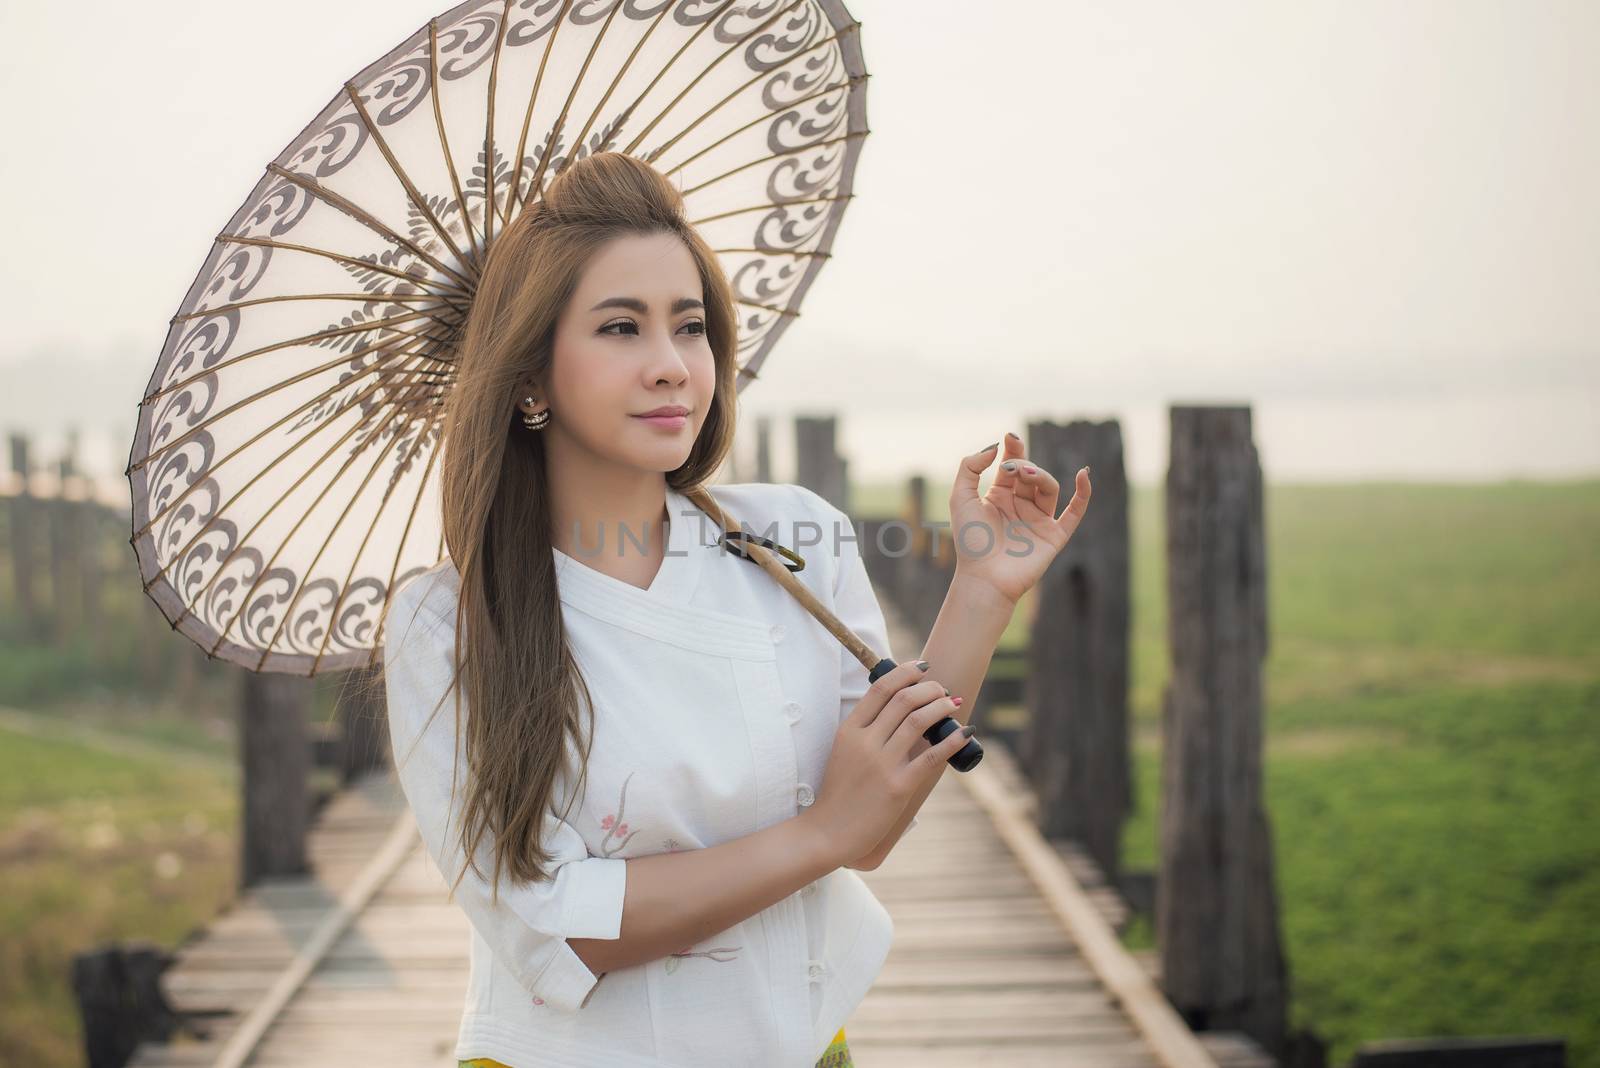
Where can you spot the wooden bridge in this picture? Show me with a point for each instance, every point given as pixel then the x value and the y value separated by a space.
pixel 365 962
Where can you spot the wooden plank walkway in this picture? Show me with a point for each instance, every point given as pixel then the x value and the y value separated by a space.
pixel 1004 953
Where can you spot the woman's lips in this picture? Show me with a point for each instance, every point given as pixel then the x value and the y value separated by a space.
pixel 665 422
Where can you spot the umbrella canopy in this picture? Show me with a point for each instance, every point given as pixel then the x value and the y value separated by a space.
pixel 283 463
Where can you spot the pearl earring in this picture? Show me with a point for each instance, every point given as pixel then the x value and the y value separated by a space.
pixel 535 420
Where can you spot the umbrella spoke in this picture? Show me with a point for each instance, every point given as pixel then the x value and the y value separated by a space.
pixel 527 117
pixel 400 174
pixel 367 219
pixel 655 155
pixel 730 50
pixel 372 297
pixel 444 139
pixel 776 155
pixel 781 252
pixel 489 208
pixel 768 206
pixel 449 291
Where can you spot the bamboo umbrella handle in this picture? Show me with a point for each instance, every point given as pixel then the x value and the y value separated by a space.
pixel 966 758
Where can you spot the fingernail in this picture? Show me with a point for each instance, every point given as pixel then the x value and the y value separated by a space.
pixel 990 448
pixel 968 731
pixel 922 664
pixel 1012 436
pixel 957 701
pixel 947 691
pixel 1009 465
pixel 1030 470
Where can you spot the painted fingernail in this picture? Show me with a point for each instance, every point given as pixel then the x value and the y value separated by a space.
pixel 1009 465
pixel 922 664
pixel 1012 436
pixel 968 731
pixel 989 448
pixel 957 701
pixel 1030 470
pixel 947 691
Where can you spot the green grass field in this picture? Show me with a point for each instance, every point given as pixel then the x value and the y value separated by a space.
pixel 1433 738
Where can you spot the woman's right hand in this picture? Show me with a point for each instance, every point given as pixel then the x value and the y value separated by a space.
pixel 880 758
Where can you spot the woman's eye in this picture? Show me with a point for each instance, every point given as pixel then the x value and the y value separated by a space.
pixel 609 327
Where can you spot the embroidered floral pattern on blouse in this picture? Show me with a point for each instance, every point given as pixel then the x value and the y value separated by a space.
pixel 722 954
pixel 616 826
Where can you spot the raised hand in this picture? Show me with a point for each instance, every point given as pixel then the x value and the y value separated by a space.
pixel 1019 514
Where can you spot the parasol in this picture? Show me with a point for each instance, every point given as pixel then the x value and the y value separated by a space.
pixel 283 463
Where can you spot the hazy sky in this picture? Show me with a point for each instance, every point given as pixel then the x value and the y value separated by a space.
pixel 1378 223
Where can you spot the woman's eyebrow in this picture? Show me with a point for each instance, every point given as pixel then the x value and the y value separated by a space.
pixel 637 305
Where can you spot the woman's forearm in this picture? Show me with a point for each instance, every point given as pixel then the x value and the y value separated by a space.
pixel 676 899
pixel 958 652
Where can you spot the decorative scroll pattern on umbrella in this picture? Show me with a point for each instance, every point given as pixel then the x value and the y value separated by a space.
pixel 284 466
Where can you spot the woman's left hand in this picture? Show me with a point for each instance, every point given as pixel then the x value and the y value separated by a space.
pixel 1019 511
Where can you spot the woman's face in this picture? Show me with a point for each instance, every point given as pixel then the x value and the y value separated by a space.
pixel 633 339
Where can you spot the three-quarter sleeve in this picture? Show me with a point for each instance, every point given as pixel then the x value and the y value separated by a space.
pixel 529 925
pixel 854 602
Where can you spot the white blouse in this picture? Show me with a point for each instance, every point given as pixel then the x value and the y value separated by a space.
pixel 717 697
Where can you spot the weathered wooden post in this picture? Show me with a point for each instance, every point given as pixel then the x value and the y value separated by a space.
pixel 23 528
pixel 63 513
pixel 275 754
pixel 1075 747
pixel 1222 961
pixel 763 448
pixel 816 460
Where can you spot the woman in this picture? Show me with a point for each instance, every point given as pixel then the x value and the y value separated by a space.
pixel 662 767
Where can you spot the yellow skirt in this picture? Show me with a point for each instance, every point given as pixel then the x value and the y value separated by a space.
pixel 837 1055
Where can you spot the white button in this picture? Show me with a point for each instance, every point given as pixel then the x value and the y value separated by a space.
pixel 792 710
pixel 776 633
pixel 804 795
pixel 815 969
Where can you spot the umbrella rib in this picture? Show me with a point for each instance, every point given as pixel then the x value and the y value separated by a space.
pixel 704 71
pixel 527 115
pixel 266 569
pixel 781 252
pixel 344 514
pixel 388 495
pixel 373 371
pixel 304 339
pixel 767 206
pixel 489 207
pixel 367 219
pixel 267 242
pixel 767 307
pixel 400 173
pixel 378 297
pixel 444 139
pixel 240 491
pixel 622 71
pixel 777 155
pixel 848 83
pixel 538 178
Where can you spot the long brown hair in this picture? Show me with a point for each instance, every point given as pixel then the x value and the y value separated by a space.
pixel 524 693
